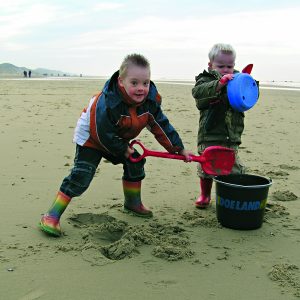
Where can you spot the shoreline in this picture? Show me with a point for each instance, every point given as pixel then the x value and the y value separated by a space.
pixel 287 86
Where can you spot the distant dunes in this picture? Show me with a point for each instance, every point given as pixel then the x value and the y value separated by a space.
pixel 10 70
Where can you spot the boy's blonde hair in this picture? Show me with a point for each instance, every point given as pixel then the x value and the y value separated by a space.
pixel 133 59
pixel 217 48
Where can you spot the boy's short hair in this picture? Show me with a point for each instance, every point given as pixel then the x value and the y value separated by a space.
pixel 217 48
pixel 133 59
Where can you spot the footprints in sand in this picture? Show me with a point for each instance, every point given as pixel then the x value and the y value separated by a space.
pixel 115 239
pixel 274 210
pixel 277 174
pixel 284 196
pixel 281 172
pixel 288 167
pixel 287 276
pixel 106 239
pixel 201 218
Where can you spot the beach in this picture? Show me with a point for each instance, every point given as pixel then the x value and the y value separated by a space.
pixel 182 252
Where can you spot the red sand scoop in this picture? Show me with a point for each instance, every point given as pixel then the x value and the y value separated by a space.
pixel 214 160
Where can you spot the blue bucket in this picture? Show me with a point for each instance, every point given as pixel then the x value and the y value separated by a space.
pixel 242 92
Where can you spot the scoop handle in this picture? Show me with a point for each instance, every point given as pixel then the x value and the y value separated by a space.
pixel 147 152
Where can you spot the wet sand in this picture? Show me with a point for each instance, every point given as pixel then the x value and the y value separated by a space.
pixel 182 253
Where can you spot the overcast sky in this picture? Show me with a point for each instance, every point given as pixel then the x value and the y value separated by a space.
pixel 92 37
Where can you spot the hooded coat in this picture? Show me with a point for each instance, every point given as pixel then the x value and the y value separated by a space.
pixel 111 120
pixel 218 122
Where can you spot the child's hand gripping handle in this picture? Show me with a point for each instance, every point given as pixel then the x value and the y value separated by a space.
pixel 144 154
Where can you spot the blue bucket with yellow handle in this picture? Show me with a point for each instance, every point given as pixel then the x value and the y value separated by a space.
pixel 241 200
pixel 242 92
